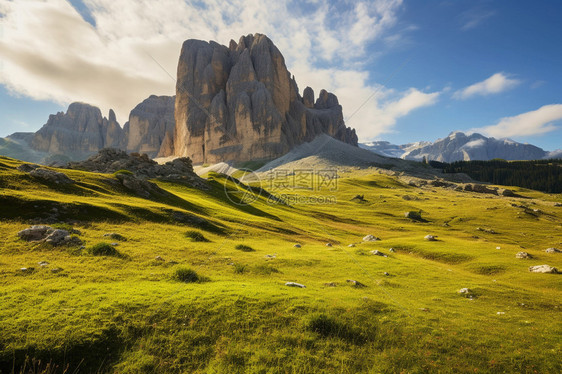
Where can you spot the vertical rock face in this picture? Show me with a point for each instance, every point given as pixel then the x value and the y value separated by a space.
pixel 80 131
pixel 240 103
pixel 151 124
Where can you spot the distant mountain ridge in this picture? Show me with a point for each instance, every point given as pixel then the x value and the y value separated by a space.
pixel 458 146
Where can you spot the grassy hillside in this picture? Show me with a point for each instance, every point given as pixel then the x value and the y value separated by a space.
pixel 216 300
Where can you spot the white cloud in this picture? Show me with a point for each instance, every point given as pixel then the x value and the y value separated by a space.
pixel 497 83
pixel 473 18
pixel 536 122
pixel 51 53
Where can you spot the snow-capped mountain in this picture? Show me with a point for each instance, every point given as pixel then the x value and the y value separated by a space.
pixel 461 147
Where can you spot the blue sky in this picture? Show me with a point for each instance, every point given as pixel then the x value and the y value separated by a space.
pixel 428 67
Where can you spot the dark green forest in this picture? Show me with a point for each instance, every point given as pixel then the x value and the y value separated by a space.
pixel 540 175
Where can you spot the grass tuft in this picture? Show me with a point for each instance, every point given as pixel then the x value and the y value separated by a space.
pixel 103 249
pixel 196 236
pixel 240 269
pixel 187 275
pixel 244 248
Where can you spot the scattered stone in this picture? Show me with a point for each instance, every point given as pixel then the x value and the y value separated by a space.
pixel 466 292
pixel 351 245
pixel 297 246
pixel 500 313
pixel 498 247
pixel 553 250
pixel 480 188
pixel 558 204
pixel 115 236
pixel 523 255
pixel 62 237
pixel 385 273
pixel 159 258
pixel 270 256
pixel 56 270
pixel 355 283
pixel 370 238
pixel 376 252
pixel 330 284
pixel 173 262
pixel 431 238
pixel 416 216
pixel 293 284
pixel 26 270
pixel 42 233
pixel 50 176
pixel 543 269
pixel 392 250
pixel 489 231
pixel 328 244
pixel 441 183
pixel 115 244
pixel 43 263
pixel 34 233
pixel 409 198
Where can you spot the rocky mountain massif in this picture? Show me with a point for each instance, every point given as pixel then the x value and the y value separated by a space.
pixel 241 103
pixel 83 131
pixel 461 147
pixel 233 103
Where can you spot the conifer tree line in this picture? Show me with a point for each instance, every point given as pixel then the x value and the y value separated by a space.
pixel 540 175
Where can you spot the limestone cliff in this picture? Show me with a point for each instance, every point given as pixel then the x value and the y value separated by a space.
pixel 151 125
pixel 240 103
pixel 77 133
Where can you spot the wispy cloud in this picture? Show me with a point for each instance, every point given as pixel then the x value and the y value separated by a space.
pixel 51 53
pixel 497 83
pixel 536 122
pixel 473 18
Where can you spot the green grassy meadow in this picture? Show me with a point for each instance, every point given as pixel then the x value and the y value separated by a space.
pixel 133 313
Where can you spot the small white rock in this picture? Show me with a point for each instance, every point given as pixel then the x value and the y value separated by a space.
pixel 294 284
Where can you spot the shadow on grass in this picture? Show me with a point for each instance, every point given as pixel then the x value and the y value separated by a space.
pixel 93 354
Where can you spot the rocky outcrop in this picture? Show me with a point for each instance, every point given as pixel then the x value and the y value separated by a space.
pixel 240 103
pixel 141 166
pixel 150 127
pixel 47 234
pixel 77 133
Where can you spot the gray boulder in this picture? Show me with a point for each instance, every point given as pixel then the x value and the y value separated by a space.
pixel 35 233
pixel 553 250
pixel 431 238
pixel 413 215
pixel 523 255
pixel 378 253
pixel 370 238
pixel 26 168
pixel 47 234
pixel 355 283
pixel 50 176
pixel 543 269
